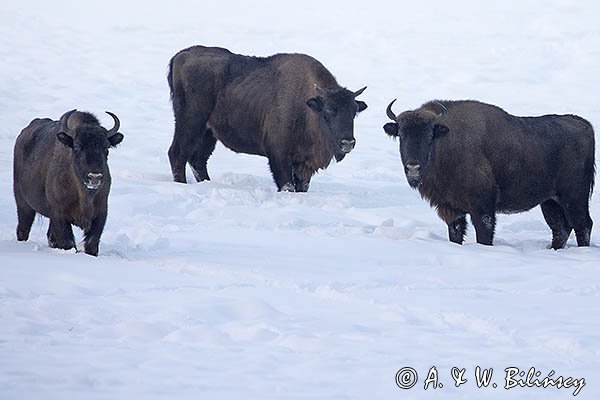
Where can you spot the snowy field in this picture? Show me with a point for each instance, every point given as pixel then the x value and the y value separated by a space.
pixel 230 290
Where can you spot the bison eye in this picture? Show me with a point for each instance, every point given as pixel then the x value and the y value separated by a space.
pixel 329 113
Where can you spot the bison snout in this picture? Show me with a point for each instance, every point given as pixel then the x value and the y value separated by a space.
pixel 347 145
pixel 93 181
pixel 413 169
pixel 413 174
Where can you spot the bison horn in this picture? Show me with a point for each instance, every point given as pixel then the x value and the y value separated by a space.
pixel 389 111
pixel 115 128
pixel 443 109
pixel 64 121
pixel 359 91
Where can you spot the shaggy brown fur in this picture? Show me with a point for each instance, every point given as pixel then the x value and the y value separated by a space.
pixel 286 107
pixel 468 157
pixel 61 172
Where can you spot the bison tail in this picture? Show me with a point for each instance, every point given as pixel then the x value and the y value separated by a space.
pixel 170 77
pixel 592 161
pixel 592 178
pixel 590 143
pixel 590 167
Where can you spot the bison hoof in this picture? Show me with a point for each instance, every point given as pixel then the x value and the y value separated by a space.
pixel 200 176
pixel 288 187
pixel 22 236
pixel 62 246
pixel 301 186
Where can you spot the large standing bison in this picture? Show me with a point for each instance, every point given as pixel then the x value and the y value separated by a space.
pixel 61 172
pixel 468 157
pixel 286 107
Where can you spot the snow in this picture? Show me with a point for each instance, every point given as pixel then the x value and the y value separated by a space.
pixel 228 289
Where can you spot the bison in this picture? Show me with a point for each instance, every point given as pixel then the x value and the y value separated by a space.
pixel 468 157
pixel 61 171
pixel 286 107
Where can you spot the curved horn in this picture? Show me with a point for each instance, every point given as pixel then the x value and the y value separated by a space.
pixel 443 109
pixel 359 91
pixel 64 121
pixel 115 128
pixel 389 111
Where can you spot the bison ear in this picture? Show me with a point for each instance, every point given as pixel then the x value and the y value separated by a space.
pixel 315 103
pixel 362 106
pixel 115 139
pixel 439 130
pixel 391 128
pixel 65 139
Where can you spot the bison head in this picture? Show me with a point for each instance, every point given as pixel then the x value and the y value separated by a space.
pixel 89 143
pixel 417 131
pixel 336 109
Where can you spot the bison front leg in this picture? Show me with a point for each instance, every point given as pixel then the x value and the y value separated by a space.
pixel 282 171
pixel 301 177
pixel 456 221
pixel 457 229
pixel 60 235
pixel 301 185
pixel 92 235
pixel 484 224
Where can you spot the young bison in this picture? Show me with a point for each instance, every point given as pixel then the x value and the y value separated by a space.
pixel 61 172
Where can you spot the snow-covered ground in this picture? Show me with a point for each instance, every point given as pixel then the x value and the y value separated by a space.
pixel 229 290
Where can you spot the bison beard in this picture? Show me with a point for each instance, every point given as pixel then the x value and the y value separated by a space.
pixel 286 107
pixel 468 157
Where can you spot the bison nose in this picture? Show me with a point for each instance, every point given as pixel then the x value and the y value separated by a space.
pixel 94 180
pixel 413 169
pixel 347 145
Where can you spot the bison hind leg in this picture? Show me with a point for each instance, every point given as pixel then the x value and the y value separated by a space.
pixel 189 132
pixel 556 220
pixel 584 236
pixel 60 235
pixel 177 164
pixel 199 157
pixel 579 217
pixel 575 206
pixel 582 224
pixel 26 216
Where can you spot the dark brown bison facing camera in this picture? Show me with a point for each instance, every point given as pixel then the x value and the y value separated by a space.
pixel 286 107
pixel 61 172
pixel 468 157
